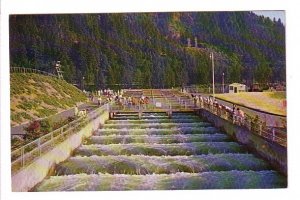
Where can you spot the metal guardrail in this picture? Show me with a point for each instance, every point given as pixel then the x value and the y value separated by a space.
pixel 254 125
pixel 30 70
pixel 173 102
pixel 162 104
pixel 26 154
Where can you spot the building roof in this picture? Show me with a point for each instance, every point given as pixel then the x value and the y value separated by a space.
pixel 236 84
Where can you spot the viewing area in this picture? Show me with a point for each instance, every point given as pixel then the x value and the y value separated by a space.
pixel 152 100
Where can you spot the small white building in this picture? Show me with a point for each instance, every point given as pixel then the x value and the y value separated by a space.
pixel 237 88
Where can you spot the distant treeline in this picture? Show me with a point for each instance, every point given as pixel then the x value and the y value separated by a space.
pixel 154 50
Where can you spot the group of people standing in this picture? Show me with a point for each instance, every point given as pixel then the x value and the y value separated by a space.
pixel 236 113
pixel 131 101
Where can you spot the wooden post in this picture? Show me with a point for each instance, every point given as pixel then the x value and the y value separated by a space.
pixel 22 156
pixel 169 113
pixel 260 129
pixel 39 146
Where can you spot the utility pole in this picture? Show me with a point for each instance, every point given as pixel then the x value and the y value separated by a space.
pixel 213 73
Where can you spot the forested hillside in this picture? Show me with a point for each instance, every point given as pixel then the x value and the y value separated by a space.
pixel 151 49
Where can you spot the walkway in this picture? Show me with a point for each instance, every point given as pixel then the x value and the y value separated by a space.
pixel 271 120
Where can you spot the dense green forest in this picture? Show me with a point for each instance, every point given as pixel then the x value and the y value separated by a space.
pixel 146 50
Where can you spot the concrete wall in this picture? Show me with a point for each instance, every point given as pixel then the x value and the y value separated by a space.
pixel 34 173
pixel 270 151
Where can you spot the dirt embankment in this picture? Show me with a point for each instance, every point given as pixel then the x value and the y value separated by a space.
pixel 34 96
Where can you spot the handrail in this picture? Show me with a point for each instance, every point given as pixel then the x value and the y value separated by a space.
pixel 256 127
pixel 250 108
pixel 26 154
pixel 30 70
pixel 166 105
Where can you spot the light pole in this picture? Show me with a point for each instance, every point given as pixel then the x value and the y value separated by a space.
pixel 223 82
pixel 213 73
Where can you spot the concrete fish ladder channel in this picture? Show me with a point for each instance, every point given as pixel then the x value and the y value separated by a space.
pixel 157 153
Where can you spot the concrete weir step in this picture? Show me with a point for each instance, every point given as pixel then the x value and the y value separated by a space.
pixel 157 125
pixel 142 165
pixel 157 139
pixel 153 116
pixel 156 131
pixel 158 153
pixel 193 148
pixel 143 121
pixel 177 181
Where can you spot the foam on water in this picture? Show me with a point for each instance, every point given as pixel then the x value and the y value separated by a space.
pixel 157 131
pixel 141 164
pixel 192 148
pixel 187 181
pixel 156 139
pixel 158 153
pixel 156 125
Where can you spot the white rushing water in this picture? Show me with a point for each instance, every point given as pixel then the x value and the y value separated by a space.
pixel 158 153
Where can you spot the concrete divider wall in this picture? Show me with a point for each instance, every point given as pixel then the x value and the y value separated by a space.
pixel 272 152
pixel 27 178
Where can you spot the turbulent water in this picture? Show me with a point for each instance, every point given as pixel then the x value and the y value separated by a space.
pixel 157 153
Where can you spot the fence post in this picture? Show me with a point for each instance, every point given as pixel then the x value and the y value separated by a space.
pixel 39 146
pixel 22 156
pixel 61 131
pixel 51 136
pixel 249 122
pixel 260 129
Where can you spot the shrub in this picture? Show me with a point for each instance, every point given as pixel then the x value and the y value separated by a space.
pixel 16 142
pixel 33 128
pixel 44 112
pixel 25 115
pixel 70 119
pixel 16 117
pixel 45 126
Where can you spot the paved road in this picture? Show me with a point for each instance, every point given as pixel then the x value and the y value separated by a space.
pixel 19 130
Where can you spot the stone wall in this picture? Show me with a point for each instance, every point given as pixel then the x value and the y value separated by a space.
pixel 27 178
pixel 270 151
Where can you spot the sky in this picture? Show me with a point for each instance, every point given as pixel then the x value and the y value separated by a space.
pixel 271 14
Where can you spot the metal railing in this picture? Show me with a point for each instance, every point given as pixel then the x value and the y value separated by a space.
pixel 26 154
pixel 161 104
pixel 172 101
pixel 30 70
pixel 254 125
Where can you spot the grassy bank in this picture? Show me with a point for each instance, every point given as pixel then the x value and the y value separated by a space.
pixel 266 101
pixel 35 96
